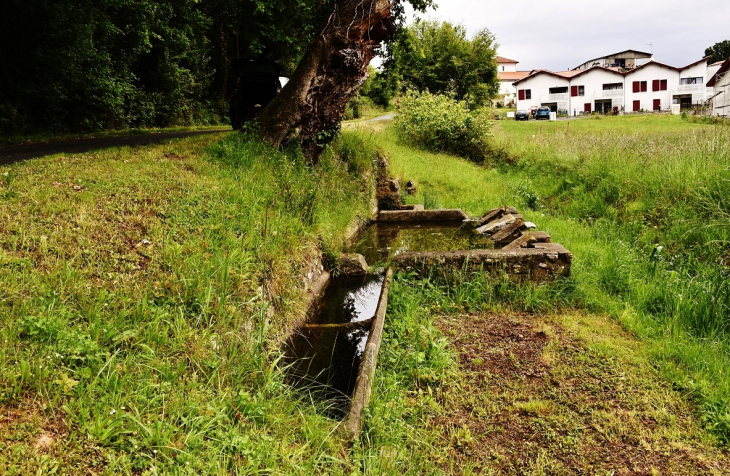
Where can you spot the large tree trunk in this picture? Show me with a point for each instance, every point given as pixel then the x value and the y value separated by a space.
pixel 334 67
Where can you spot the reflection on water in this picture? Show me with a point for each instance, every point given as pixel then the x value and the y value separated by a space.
pixel 380 242
pixel 326 361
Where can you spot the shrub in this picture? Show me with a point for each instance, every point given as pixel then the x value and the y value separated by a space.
pixel 441 123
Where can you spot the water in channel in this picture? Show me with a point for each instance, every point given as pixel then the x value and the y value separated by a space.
pixel 325 362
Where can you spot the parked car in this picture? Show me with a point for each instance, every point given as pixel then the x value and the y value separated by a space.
pixel 259 82
pixel 543 112
pixel 522 115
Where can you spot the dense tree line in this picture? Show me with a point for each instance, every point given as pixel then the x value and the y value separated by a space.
pixel 719 51
pixel 84 65
pixel 440 58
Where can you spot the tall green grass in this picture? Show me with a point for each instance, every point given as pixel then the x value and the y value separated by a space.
pixel 143 294
pixel 643 204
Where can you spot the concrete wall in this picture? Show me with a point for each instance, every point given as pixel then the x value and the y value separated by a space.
pixel 507 67
pixel 721 104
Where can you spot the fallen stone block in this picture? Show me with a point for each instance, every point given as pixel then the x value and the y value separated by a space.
pixel 496 225
pixel 493 214
pixel 352 265
pixel 522 242
pixel 510 232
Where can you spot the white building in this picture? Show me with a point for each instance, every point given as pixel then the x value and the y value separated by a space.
pixel 651 86
pixel 720 81
pixel 508 74
pixel 626 60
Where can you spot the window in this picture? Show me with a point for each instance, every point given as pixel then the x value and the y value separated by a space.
pixel 639 86
pixel 691 81
pixel 521 94
pixel 612 86
pixel 655 85
pixel 587 107
pixel 577 91
pixel 559 90
pixel 657 104
pixel 528 93
pixel 637 106
pixel 659 85
pixel 664 85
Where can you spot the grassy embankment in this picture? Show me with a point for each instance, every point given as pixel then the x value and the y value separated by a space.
pixel 644 204
pixel 143 294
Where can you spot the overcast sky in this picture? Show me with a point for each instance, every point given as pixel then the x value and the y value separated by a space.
pixel 560 35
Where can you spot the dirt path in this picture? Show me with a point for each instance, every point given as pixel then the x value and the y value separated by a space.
pixel 553 395
pixel 15 153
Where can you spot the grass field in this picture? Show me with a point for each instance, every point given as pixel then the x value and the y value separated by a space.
pixel 644 204
pixel 144 293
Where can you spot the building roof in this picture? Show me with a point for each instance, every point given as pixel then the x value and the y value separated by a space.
pixel 655 63
pixel 725 67
pixel 696 62
pixel 716 64
pixel 502 59
pixel 616 54
pixel 513 76
pixel 568 74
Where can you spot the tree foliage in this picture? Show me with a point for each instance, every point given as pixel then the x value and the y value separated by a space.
pixel 86 65
pixel 440 58
pixel 719 51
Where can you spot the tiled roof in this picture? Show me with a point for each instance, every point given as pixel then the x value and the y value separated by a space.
pixel 513 76
pixel 501 59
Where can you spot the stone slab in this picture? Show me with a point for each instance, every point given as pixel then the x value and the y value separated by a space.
pixel 545 262
pixel 442 216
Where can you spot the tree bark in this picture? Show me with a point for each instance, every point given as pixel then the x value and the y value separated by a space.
pixel 311 105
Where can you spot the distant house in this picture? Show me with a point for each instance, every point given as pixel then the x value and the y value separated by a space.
pixel 508 74
pixel 720 81
pixel 649 86
pixel 626 60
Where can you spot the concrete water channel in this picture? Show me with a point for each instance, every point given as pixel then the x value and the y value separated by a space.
pixel 333 355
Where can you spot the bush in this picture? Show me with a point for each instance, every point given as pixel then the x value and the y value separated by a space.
pixel 440 123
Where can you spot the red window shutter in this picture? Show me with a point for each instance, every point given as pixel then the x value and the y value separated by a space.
pixel 664 85
pixel 522 94
pixel 655 85
pixel 574 91
pixel 637 106
pixel 643 86
pixel 587 107
pixel 636 87
pixel 657 104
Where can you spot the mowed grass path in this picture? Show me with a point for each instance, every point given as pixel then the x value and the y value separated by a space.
pixel 643 203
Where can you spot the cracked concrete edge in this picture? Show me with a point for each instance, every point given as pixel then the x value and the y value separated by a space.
pixel 350 428
pixel 443 215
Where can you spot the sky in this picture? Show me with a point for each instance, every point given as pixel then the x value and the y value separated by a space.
pixel 560 35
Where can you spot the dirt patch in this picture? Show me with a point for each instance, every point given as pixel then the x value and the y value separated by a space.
pixel 36 440
pixel 534 399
